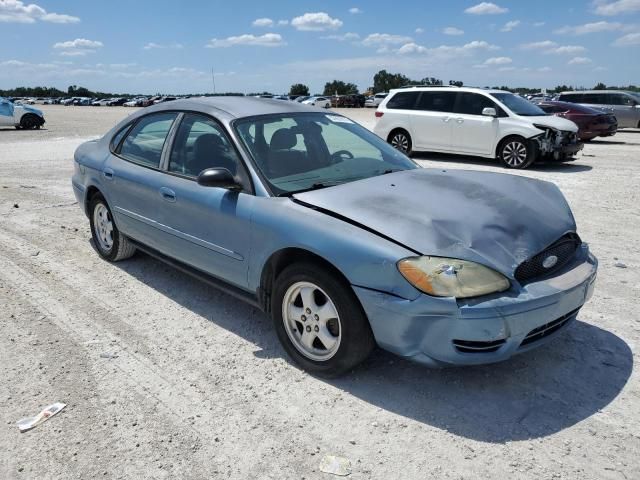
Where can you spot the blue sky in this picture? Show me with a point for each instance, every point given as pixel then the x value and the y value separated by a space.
pixel 156 46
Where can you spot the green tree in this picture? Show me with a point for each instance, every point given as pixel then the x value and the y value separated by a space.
pixel 600 86
pixel 298 89
pixel 384 81
pixel 456 83
pixel 340 88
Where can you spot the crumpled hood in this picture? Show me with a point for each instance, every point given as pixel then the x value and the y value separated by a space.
pixel 495 219
pixel 552 121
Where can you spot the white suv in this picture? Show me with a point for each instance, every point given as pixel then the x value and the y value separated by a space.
pixel 474 121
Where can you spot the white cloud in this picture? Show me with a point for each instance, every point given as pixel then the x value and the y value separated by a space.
pixel 453 31
pixel 78 47
pixel 544 69
pixel 628 40
pixel 152 46
pixel 498 61
pixel 316 22
pixel 419 30
pixel 385 40
pixel 479 45
pixel 262 22
pixel 355 10
pixel 590 28
pixel 411 48
pixel 15 11
pixel 510 25
pixel 567 50
pixel 542 45
pixel 342 37
pixel 616 8
pixel 539 24
pixel 283 22
pixel 266 40
pixel 79 43
pixel 579 61
pixel 486 8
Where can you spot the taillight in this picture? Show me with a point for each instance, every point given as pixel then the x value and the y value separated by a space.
pixel 379 114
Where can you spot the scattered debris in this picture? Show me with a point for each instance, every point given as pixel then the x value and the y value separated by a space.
pixel 335 465
pixel 15 205
pixel 620 265
pixel 108 355
pixel 35 253
pixel 28 423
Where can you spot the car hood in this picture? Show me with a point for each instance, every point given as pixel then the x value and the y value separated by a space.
pixel 554 122
pixel 495 219
pixel 30 109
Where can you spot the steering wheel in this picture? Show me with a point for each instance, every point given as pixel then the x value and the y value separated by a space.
pixel 340 154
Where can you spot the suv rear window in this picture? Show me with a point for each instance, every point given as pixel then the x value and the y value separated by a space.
pixel 403 101
pixel 437 101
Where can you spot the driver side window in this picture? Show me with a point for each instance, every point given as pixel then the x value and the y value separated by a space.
pixel 200 144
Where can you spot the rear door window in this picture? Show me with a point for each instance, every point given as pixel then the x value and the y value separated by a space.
pixel 403 101
pixel 145 141
pixel 594 99
pixel 619 99
pixel 437 101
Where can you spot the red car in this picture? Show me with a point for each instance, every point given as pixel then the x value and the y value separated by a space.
pixel 591 122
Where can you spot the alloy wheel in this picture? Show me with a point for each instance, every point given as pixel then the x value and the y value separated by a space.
pixel 103 225
pixel 400 141
pixel 514 153
pixel 311 321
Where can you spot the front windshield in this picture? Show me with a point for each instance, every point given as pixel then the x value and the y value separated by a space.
pixel 519 105
pixel 299 152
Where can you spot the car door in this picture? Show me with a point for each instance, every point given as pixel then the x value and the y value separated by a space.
pixel 6 113
pixel 431 120
pixel 209 227
pixel 133 179
pixel 473 132
pixel 624 108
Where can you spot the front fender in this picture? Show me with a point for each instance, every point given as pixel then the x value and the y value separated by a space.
pixel 365 259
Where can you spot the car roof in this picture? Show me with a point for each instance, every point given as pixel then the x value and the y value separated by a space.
pixel 577 92
pixel 446 88
pixel 232 107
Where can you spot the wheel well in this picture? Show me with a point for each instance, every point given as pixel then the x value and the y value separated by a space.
pixel 91 192
pixel 281 260
pixel 31 115
pixel 397 129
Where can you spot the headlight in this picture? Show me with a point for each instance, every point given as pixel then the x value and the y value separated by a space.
pixel 448 277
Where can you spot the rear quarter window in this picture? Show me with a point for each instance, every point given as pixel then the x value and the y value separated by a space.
pixel 403 101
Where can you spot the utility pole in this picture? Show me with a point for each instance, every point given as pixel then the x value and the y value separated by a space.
pixel 213 79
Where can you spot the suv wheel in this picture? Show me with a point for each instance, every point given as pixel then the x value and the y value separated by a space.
pixel 400 140
pixel 515 152
pixel 109 242
pixel 319 320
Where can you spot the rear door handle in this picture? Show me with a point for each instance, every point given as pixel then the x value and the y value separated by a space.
pixel 108 174
pixel 446 119
pixel 168 194
pixel 460 120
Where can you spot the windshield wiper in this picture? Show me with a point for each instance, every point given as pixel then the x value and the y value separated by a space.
pixel 315 186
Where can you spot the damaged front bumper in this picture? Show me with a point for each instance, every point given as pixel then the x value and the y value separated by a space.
pixel 556 144
pixel 444 332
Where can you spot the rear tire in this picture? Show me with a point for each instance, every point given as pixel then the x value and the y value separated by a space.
pixel 401 140
pixel 307 298
pixel 109 242
pixel 516 152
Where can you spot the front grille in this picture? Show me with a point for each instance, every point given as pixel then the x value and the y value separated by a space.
pixel 548 328
pixel 533 268
pixel 468 346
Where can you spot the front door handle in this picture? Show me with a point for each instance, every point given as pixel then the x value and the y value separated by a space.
pixel 460 120
pixel 107 173
pixel 446 119
pixel 168 194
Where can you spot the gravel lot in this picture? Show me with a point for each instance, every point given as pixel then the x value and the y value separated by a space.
pixel 200 388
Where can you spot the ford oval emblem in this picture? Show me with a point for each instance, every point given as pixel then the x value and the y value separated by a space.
pixel 550 261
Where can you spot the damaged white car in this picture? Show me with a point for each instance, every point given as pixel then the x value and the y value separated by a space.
pixel 474 121
pixel 20 116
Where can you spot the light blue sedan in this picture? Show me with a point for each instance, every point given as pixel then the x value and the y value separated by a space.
pixel 341 239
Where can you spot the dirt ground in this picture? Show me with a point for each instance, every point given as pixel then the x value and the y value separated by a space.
pixel 165 377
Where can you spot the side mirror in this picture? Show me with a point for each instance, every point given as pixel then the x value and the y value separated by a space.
pixel 489 112
pixel 218 177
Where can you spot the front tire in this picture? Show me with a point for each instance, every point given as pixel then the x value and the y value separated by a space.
pixel 516 152
pixel 401 140
pixel 109 242
pixel 30 122
pixel 319 320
